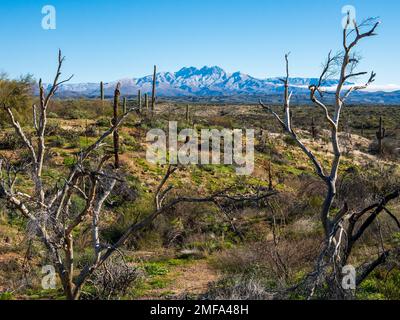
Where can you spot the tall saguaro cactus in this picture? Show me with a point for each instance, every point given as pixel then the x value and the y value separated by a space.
pixel 146 102
pixel 380 135
pixel 124 108
pixel 117 94
pixel 140 100
pixel 102 91
pixel 313 129
pixel 187 113
pixel 153 93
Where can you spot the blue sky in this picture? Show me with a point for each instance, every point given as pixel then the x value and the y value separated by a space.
pixel 113 39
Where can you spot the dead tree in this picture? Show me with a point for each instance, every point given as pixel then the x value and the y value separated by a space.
pixel 47 208
pixel 335 226
pixel 153 92
pixel 117 94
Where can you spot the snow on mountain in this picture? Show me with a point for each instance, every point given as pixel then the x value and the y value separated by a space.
pixel 194 82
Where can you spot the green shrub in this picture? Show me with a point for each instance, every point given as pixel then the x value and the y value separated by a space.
pixel 57 142
pixel 155 269
pixel 11 141
pixel 69 161
pixel 52 115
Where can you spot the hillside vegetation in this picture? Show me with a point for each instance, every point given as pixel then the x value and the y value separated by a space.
pixel 251 250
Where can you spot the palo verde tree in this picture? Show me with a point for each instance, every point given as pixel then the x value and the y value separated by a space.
pixel 342 227
pixel 47 207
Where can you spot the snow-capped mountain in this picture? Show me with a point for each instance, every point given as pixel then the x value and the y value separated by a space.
pixel 200 83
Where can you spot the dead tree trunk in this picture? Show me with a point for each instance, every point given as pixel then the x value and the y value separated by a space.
pixel 117 94
pixel 153 93
pixel 332 225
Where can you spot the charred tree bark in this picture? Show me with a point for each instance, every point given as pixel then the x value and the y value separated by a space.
pixel 117 94
pixel 153 93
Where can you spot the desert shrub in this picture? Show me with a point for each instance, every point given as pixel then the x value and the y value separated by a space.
pixel 25 157
pixel 53 130
pixel 17 94
pixel 75 114
pixel 6 296
pixel 74 141
pixel 113 280
pixel 126 214
pixel 91 131
pixel 84 258
pixel 381 285
pixel 391 148
pixel 131 143
pixel 289 140
pixel 103 122
pixel 264 260
pixel 124 191
pixel 77 205
pixel 57 142
pixel 360 187
pixel 69 161
pixel 238 288
pixel 52 115
pixel 155 269
pixel 80 108
pixel 221 122
pixel 11 141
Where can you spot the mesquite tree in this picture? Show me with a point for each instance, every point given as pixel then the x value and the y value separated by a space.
pixel 47 208
pixel 343 229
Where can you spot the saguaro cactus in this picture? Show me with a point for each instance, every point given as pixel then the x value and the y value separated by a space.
pixel 146 102
pixel 270 181
pixel 117 94
pixel 124 106
pixel 153 93
pixel 187 113
pixel 101 90
pixel 380 135
pixel 140 100
pixel 313 128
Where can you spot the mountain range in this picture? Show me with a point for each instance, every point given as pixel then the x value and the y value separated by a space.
pixel 215 84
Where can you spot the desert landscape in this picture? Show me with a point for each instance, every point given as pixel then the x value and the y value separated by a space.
pixel 85 214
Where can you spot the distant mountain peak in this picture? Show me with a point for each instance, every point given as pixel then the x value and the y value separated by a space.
pixel 208 81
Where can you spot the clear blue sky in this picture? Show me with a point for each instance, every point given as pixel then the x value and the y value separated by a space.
pixel 113 39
